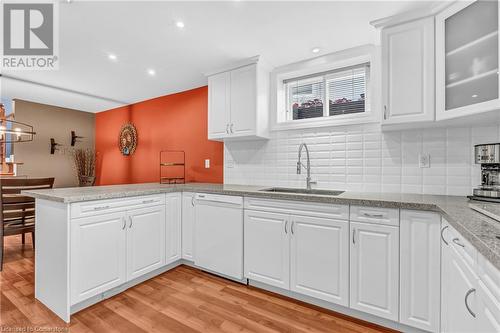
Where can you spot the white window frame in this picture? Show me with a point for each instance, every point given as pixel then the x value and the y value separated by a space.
pixel 367 54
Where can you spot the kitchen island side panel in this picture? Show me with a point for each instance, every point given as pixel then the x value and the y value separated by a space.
pixel 52 273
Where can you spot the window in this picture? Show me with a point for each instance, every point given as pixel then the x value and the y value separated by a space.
pixel 327 94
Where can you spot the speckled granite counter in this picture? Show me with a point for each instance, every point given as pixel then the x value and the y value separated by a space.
pixel 483 232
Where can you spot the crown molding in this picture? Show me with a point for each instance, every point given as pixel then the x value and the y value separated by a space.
pixel 432 9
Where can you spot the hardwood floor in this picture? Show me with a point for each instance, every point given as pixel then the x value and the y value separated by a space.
pixel 181 300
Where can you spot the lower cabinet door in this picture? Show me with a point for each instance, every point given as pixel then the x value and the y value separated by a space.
pixel 173 242
pixel 267 248
pixel 460 301
pixel 420 276
pixel 188 222
pixel 98 255
pixel 320 258
pixel 488 310
pixel 445 274
pixel 374 279
pixel 145 240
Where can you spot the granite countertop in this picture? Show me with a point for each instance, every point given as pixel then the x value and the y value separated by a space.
pixel 480 230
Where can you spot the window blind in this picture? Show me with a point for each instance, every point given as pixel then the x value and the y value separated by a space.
pixel 306 98
pixel 347 91
pixel 329 93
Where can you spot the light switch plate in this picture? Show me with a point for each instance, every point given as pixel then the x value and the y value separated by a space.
pixel 424 160
pixel 207 164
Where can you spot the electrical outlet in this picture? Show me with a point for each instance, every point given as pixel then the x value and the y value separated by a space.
pixel 424 160
pixel 207 164
pixel 229 163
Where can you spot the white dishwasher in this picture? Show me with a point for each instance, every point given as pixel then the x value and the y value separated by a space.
pixel 218 245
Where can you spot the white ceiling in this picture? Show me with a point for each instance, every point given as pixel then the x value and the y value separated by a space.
pixel 144 35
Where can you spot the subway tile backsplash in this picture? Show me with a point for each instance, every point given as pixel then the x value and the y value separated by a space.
pixel 362 158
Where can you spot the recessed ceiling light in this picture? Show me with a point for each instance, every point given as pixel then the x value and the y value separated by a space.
pixel 112 56
pixel 474 96
pixel 315 50
pixel 151 72
pixel 179 24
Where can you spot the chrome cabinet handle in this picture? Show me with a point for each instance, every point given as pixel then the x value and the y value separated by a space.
pixel 130 219
pixel 354 236
pixel 467 294
pixel 148 201
pixel 377 216
pixel 286 227
pixel 124 223
pixel 227 128
pixel 192 201
pixel 231 128
pixel 442 237
pixel 101 207
pixel 385 112
pixel 291 227
pixel 456 241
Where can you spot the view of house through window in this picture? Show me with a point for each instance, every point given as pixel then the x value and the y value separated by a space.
pixel 325 94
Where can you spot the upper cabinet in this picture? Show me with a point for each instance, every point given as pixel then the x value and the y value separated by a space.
pixel 440 63
pixel 238 102
pixel 408 72
pixel 467 56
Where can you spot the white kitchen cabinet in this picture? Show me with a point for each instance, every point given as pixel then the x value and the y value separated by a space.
pixel 238 102
pixel 243 108
pixel 470 287
pixel 460 304
pixel 488 310
pixel 467 56
pixel 219 105
pixel 145 240
pixel 173 227
pixel 420 274
pixel 267 248
pixel 98 255
pixel 374 269
pixel 408 72
pixel 320 258
pixel 446 237
pixel 188 223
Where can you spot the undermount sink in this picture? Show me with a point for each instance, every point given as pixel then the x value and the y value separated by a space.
pixel 301 191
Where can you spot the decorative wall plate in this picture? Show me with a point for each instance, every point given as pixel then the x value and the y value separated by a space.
pixel 127 141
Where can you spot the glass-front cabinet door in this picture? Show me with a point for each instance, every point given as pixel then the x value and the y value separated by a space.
pixel 467 59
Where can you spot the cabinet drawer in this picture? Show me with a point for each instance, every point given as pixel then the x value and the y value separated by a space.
pixel 312 209
pixel 388 216
pixel 96 207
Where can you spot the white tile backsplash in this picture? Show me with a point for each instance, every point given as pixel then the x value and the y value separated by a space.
pixel 363 158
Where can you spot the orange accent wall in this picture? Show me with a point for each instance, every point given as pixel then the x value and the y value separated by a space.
pixel 172 122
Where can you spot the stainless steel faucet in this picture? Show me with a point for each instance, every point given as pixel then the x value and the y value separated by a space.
pixel 301 165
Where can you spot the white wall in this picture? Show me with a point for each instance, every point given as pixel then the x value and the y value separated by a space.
pixel 362 158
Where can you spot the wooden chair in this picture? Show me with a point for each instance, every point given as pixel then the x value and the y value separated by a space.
pixel 17 211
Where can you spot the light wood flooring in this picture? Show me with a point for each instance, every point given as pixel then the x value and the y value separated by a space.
pixel 181 300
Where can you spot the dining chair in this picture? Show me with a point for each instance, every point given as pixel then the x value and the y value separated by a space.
pixel 17 211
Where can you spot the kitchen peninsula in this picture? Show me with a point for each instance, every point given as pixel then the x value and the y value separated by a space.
pixel 95 242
